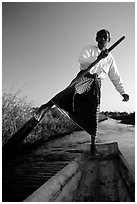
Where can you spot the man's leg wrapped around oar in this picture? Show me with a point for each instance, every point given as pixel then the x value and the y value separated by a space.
pixel 82 102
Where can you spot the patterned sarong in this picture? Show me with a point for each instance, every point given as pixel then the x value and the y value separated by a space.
pixel 82 102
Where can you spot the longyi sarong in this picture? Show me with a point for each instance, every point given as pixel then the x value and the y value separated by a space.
pixel 82 102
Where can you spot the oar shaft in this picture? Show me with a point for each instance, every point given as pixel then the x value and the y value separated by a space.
pixel 116 43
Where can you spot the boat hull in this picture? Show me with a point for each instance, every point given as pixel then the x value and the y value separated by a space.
pixel 105 177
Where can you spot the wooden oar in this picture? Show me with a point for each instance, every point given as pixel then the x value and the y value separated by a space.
pixel 22 133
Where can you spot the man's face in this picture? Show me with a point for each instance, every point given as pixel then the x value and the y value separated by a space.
pixel 102 39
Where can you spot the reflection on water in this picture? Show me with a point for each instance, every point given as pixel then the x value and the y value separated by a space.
pixel 28 172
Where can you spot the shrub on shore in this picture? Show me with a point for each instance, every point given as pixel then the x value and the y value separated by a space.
pixel 15 112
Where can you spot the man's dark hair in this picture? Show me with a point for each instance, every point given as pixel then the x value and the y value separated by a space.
pixel 106 32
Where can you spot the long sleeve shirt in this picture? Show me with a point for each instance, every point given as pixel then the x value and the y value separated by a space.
pixel 104 67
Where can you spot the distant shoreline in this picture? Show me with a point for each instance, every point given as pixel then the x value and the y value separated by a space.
pixel 125 118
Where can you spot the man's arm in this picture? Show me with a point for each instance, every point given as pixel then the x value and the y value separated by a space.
pixel 114 76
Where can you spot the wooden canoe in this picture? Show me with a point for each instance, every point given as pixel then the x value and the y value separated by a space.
pixel 105 177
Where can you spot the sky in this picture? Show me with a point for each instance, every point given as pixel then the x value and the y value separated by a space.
pixel 41 43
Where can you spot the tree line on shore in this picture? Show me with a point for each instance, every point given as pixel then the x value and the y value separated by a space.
pixel 124 117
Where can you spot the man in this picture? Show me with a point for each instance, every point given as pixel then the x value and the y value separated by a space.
pixel 82 100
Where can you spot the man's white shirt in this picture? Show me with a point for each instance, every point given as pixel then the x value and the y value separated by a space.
pixel 104 67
